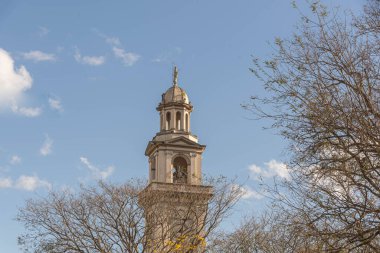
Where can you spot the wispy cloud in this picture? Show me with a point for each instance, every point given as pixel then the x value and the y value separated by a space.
pixel 112 40
pixel 272 168
pixel 47 146
pixel 15 159
pixel 24 182
pixel 60 49
pixel 30 112
pixel 97 173
pixel 128 58
pixel 89 60
pixel 249 193
pixel 38 56
pixel 42 31
pixel 31 183
pixel 5 183
pixel 55 104
pixel 168 56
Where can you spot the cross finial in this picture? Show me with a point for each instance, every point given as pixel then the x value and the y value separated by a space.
pixel 175 76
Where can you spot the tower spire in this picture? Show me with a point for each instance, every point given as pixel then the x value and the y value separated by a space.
pixel 175 76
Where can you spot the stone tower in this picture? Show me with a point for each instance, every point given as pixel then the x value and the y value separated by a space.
pixel 175 201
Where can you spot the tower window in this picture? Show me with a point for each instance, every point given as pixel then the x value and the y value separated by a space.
pixel 179 170
pixel 168 117
pixel 153 169
pixel 178 120
pixel 187 122
pixel 153 173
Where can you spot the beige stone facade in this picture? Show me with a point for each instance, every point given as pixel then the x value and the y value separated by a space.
pixel 175 200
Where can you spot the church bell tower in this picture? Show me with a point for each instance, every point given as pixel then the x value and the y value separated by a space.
pixel 175 201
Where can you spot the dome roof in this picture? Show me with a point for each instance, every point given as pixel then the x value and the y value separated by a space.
pixel 175 94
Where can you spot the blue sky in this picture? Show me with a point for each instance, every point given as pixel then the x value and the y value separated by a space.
pixel 80 81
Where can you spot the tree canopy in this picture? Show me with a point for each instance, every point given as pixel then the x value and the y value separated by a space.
pixel 111 218
pixel 323 91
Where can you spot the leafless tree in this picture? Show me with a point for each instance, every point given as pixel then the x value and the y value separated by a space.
pixel 323 89
pixel 370 22
pixel 272 232
pixel 110 218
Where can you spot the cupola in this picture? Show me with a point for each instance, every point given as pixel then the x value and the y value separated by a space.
pixel 175 109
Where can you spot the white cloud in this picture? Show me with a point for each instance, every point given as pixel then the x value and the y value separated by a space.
pixel 97 173
pixel 15 159
pixel 272 168
pixel 158 59
pixel 278 168
pixel 38 56
pixel 28 183
pixel 55 104
pixel 27 111
pixel 128 59
pixel 5 182
pixel 249 193
pixel 112 40
pixel 13 82
pixel 42 31
pixel 31 183
pixel 255 169
pixel 89 60
pixel 46 148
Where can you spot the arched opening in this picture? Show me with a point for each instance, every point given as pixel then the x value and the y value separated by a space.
pixel 168 117
pixel 178 120
pixel 180 170
pixel 187 122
